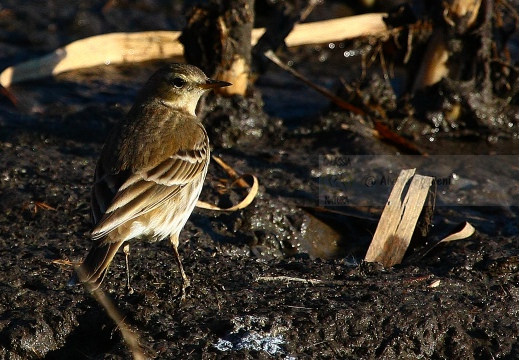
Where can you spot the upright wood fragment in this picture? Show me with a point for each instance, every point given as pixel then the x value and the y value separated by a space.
pixel 218 40
pixel 399 218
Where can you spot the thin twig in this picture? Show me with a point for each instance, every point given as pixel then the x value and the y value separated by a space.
pixel 231 172
pixel 131 339
pixel 334 98
pixel 289 279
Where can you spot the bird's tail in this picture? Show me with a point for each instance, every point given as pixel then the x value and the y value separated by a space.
pixel 93 268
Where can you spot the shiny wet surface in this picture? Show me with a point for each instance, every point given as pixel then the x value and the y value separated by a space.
pixel 258 290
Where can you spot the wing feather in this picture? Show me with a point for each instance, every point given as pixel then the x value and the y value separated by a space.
pixel 147 189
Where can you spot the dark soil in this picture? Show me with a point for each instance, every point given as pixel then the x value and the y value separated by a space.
pixel 278 279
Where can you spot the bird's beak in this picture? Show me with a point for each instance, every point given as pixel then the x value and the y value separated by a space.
pixel 211 84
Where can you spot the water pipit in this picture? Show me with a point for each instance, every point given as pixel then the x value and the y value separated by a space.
pixel 151 170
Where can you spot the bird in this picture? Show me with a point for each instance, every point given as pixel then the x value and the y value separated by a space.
pixel 151 170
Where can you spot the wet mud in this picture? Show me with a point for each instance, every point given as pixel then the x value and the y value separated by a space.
pixel 280 279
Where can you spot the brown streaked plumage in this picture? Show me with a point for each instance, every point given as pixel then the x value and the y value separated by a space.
pixel 151 169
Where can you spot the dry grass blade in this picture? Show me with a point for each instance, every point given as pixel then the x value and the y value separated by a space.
pixel 288 279
pixel 434 284
pixel 238 180
pixel 242 204
pixel 460 232
pixel 65 262
pixel 34 206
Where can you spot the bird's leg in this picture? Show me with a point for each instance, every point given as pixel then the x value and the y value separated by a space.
pixel 185 281
pixel 126 250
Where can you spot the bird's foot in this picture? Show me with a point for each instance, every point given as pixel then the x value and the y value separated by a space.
pixel 183 289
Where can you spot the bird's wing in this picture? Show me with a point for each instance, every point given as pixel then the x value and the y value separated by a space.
pixel 147 189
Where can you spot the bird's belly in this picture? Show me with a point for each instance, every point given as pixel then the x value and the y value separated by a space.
pixel 167 219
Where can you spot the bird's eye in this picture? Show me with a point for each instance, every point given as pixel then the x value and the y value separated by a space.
pixel 178 82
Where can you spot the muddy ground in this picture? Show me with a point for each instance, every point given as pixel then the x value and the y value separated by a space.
pixel 261 284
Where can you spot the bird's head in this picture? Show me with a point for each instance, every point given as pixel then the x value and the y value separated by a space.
pixel 179 86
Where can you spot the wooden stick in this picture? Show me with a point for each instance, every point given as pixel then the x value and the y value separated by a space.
pixel 337 29
pixel 120 48
pixel 115 48
pixel 435 65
